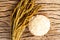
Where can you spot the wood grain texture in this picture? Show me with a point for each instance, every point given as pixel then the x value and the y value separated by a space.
pixel 49 7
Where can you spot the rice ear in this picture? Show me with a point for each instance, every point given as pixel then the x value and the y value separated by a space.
pixel 21 10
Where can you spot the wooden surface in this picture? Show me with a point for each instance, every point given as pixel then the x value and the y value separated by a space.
pixel 49 7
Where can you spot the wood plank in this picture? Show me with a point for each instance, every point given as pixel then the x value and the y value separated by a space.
pixel 49 7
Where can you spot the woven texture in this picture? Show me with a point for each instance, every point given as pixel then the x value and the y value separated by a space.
pixel 49 7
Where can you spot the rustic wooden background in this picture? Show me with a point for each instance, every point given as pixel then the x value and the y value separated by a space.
pixel 50 7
